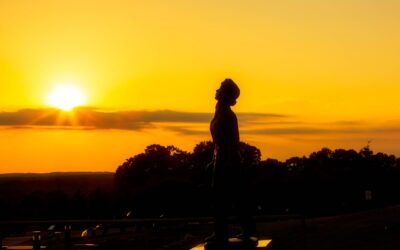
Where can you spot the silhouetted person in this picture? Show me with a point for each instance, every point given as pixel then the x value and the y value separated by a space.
pixel 229 183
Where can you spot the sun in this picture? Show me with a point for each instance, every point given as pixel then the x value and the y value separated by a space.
pixel 66 97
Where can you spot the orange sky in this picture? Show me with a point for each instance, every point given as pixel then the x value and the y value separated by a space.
pixel 314 73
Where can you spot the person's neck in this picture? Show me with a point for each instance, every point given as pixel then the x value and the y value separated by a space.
pixel 222 106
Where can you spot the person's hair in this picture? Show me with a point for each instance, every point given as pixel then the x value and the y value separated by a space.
pixel 229 91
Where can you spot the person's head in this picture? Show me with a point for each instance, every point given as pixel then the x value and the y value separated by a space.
pixel 228 92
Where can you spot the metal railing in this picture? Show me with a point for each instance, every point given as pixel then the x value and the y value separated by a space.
pixel 122 223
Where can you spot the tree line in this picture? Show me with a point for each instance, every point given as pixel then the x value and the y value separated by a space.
pixel 167 181
pixel 164 181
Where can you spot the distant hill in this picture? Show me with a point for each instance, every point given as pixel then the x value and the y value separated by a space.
pixel 53 174
pixel 55 195
pixel 69 182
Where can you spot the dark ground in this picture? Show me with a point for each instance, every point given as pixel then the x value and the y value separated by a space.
pixel 372 229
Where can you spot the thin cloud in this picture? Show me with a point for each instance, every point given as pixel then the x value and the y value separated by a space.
pixel 90 118
pixel 322 131
pixel 287 131
pixel 183 123
pixel 298 129
pixel 187 131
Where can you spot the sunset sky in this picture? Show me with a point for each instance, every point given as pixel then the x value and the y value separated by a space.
pixel 312 74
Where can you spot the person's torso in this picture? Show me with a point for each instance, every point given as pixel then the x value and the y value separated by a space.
pixel 225 135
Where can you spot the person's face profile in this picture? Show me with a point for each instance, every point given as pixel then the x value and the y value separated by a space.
pixel 217 94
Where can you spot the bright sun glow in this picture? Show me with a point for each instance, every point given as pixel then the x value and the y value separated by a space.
pixel 66 97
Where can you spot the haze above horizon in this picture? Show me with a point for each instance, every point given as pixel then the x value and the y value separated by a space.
pixel 313 74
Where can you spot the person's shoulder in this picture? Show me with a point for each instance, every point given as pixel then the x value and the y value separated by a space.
pixel 231 115
pixel 227 114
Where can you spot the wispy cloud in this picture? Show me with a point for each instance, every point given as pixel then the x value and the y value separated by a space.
pixel 287 131
pixel 186 130
pixel 184 123
pixel 90 118
pixel 298 128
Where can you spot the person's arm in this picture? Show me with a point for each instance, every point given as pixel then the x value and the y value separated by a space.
pixel 236 137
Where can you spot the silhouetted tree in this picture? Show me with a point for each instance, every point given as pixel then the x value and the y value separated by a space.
pixel 167 180
pixel 202 154
pixel 327 181
pixel 250 154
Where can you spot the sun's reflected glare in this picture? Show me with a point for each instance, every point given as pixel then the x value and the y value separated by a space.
pixel 66 97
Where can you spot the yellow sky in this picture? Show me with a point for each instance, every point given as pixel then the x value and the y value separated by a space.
pixel 318 62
